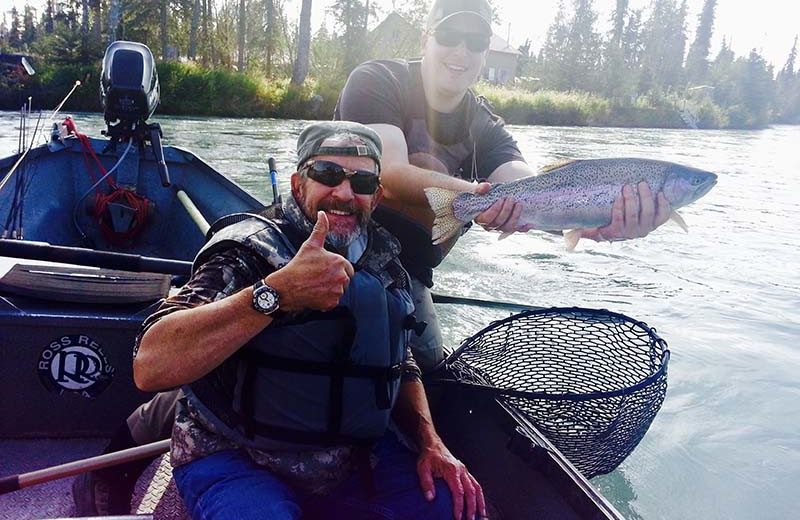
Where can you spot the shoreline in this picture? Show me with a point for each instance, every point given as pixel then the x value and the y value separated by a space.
pixel 191 91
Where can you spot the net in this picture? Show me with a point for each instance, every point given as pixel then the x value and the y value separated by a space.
pixel 590 380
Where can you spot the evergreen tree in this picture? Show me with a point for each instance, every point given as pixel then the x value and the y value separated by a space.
pixel 351 21
pixel 571 53
pixel 618 19
pixel 28 26
pixel 14 32
pixel 755 89
pixel 631 44
pixel 552 54
pixel 582 55
pixel 614 76
pixel 788 69
pixel 788 86
pixel 664 43
pixel 48 17
pixel 697 60
pixel 3 32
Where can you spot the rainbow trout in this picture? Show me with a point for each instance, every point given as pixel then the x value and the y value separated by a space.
pixel 571 195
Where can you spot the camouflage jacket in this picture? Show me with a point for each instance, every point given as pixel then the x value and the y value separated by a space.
pixel 225 273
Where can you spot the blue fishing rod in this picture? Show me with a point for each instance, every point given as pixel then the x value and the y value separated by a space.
pixel 273 177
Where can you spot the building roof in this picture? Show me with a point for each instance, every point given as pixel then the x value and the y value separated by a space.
pixel 14 60
pixel 500 45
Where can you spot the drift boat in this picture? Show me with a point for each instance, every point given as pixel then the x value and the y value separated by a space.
pixel 67 328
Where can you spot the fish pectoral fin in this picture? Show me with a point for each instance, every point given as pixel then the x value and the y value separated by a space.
pixel 571 238
pixel 675 217
pixel 504 234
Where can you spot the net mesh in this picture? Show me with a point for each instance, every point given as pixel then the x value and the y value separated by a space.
pixel 590 380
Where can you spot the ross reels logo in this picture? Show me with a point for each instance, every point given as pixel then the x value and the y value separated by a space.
pixel 75 364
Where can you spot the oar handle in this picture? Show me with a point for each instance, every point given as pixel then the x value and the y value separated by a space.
pixel 78 255
pixel 15 482
pixel 273 179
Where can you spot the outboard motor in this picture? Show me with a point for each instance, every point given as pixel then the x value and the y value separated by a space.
pixel 129 90
pixel 129 93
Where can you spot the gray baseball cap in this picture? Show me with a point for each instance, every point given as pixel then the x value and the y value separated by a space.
pixel 444 11
pixel 344 138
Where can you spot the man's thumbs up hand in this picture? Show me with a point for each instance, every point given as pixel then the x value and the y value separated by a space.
pixel 314 278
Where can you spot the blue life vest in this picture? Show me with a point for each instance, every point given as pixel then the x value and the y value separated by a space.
pixel 315 378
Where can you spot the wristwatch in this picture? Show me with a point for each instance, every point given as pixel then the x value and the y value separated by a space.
pixel 265 299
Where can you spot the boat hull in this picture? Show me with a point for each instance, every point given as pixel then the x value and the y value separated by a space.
pixel 67 366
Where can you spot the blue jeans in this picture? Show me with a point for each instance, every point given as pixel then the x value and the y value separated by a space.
pixel 228 485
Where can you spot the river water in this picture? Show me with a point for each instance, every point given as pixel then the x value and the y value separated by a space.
pixel 725 297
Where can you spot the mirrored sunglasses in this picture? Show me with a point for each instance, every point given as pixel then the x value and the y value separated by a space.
pixel 362 182
pixel 475 42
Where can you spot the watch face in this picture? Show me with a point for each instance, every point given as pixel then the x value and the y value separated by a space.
pixel 265 299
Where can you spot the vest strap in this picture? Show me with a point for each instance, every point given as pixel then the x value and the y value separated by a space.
pixel 324 368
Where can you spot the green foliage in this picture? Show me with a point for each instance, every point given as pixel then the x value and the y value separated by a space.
pixel 193 90
pixel 632 76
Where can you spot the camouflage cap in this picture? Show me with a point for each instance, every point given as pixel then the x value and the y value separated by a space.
pixel 444 11
pixel 344 138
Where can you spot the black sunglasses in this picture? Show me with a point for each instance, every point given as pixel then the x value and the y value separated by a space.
pixel 362 182
pixel 475 42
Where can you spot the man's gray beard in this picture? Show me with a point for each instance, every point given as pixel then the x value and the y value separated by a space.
pixel 338 240
pixel 342 241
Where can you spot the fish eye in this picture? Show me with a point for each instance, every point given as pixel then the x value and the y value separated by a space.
pixel 697 180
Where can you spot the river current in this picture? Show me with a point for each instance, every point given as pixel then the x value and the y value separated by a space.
pixel 725 297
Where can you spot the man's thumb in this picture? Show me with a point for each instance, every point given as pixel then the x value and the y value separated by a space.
pixel 320 231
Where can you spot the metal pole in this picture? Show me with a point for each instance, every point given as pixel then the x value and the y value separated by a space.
pixel 22 480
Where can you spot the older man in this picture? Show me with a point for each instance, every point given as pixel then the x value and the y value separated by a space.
pixel 290 343
pixel 437 133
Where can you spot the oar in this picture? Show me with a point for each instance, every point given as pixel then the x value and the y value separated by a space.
pixel 23 480
pixel 492 304
pixel 128 262
pixel 191 208
pixel 77 255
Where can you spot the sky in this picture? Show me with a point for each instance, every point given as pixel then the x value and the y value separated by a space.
pixel 767 25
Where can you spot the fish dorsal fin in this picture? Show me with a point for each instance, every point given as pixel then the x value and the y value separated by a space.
pixel 555 165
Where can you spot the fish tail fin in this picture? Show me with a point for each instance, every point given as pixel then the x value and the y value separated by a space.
pixel 675 217
pixel 571 237
pixel 445 223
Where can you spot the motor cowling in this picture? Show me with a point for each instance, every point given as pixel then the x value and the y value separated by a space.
pixel 129 89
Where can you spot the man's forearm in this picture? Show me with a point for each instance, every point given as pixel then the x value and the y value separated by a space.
pixel 406 183
pixel 186 345
pixel 413 416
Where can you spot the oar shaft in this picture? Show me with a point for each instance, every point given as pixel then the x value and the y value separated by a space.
pixel 15 482
pixel 193 212
pixel 444 298
pixel 81 256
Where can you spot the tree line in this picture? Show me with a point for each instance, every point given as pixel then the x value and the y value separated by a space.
pixel 645 60
pixel 647 54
